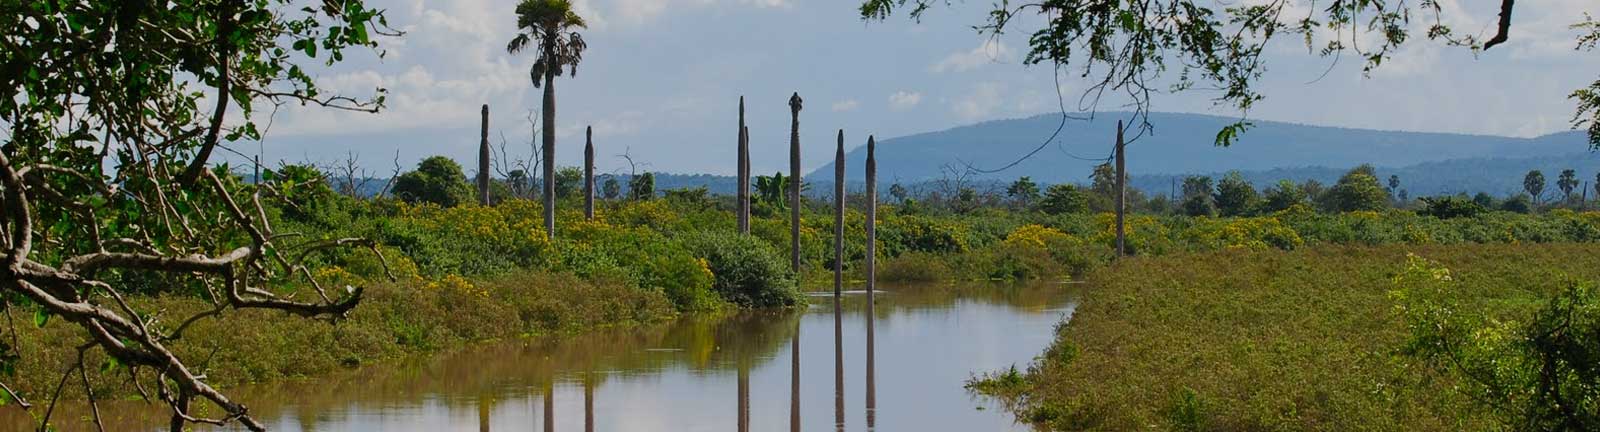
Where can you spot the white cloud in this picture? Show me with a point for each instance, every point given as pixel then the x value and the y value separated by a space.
pixel 846 105
pixel 904 100
pixel 984 99
pixel 990 51
pixel 640 11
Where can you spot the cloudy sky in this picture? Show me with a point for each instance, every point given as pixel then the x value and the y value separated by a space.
pixel 662 78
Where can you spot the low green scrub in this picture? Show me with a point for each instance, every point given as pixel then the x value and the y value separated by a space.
pixel 415 316
pixel 749 272
pixel 1314 339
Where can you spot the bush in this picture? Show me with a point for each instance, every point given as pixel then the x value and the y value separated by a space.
pixel 1544 375
pixel 1447 207
pixel 437 180
pixel 1064 198
pixel 914 267
pixel 1517 204
pixel 748 272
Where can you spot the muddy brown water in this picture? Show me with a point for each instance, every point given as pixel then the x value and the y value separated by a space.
pixel 733 372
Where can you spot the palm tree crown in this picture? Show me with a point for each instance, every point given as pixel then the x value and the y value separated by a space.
pixel 550 25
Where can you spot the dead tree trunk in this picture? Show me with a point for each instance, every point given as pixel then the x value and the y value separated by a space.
pixel 794 182
pixel 1122 194
pixel 742 196
pixel 588 174
pixel 744 187
pixel 483 159
pixel 838 219
pixel 872 214
pixel 549 154
pixel 872 276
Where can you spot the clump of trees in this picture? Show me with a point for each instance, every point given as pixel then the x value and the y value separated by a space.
pixel 437 180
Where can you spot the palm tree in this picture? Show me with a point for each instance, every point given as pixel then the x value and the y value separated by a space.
pixel 550 26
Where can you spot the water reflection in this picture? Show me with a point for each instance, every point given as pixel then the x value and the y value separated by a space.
pixel 872 390
pixel 677 376
pixel 838 362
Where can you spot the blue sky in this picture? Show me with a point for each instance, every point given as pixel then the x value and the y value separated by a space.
pixel 662 78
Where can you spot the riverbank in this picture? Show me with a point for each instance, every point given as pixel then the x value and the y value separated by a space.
pixel 1270 340
pixel 395 320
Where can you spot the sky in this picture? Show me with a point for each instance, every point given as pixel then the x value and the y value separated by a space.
pixel 661 81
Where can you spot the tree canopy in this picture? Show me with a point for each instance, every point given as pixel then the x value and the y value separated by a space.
pixel 114 111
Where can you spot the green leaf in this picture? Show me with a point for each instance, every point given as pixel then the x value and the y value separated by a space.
pixel 40 318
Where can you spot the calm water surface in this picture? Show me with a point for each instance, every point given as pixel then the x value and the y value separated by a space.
pixel 701 373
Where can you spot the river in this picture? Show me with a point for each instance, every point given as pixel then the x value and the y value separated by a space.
pixel 730 372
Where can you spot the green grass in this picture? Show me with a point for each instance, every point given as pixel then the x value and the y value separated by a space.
pixel 393 321
pixel 1270 340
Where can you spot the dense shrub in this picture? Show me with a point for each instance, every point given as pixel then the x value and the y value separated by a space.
pixel 1446 207
pixel 748 271
pixel 1543 374
pixel 437 180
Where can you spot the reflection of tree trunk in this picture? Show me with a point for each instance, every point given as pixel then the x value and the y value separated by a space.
pixel 484 406
pixel 550 406
pixel 872 383
pixel 794 381
pixel 588 403
pixel 838 366
pixel 744 398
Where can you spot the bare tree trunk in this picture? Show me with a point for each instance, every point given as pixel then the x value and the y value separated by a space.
pixel 742 196
pixel 744 167
pixel 180 406
pixel 588 174
pixel 795 181
pixel 549 151
pixel 838 219
pixel 483 159
pixel 872 277
pixel 1122 194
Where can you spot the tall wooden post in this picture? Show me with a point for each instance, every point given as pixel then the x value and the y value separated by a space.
pixel 1122 194
pixel 872 215
pixel 838 283
pixel 838 220
pixel 742 196
pixel 483 159
pixel 795 181
pixel 872 277
pixel 588 173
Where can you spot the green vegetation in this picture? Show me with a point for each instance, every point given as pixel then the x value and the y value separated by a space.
pixel 415 316
pixel 1324 338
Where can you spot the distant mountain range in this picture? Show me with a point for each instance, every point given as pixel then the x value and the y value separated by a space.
pixel 1182 144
